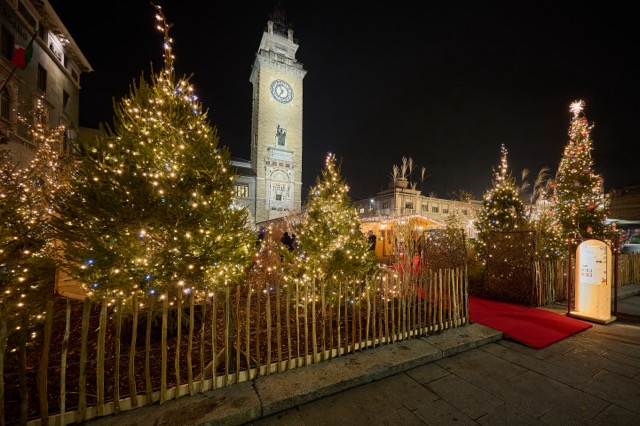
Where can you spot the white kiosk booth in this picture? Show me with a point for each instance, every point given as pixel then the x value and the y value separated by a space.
pixel 593 282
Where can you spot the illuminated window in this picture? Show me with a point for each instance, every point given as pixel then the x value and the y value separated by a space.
pixel 242 191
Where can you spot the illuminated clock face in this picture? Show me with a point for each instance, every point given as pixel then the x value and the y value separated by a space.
pixel 281 90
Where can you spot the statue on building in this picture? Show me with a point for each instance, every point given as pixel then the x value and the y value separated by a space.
pixel 281 136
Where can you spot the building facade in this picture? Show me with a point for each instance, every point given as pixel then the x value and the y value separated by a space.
pixel 272 179
pixel 40 64
pixel 401 201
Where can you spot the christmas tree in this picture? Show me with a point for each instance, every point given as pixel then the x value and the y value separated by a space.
pixel 150 209
pixel 502 209
pixel 330 234
pixel 27 258
pixel 578 202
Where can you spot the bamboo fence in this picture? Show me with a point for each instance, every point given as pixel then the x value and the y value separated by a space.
pixel 95 365
pixel 84 362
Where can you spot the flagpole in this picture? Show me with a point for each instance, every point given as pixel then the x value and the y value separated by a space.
pixel 6 81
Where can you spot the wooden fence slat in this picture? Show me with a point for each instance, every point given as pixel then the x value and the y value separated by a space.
pixel 288 316
pixel 297 305
pixel 214 351
pixel 82 376
pixel 268 327
pixel 147 352
pixel 63 358
pixel 3 345
pixel 176 356
pixel 102 336
pixel 163 350
pixel 116 379
pixel 247 326
pixel 132 351
pixel 44 365
pixel 314 328
pixel 258 322
pixel 278 326
pixel 190 385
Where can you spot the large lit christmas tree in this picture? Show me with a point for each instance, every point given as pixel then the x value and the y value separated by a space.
pixel 330 234
pixel 578 202
pixel 502 209
pixel 151 208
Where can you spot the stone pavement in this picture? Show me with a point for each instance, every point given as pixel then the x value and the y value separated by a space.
pixel 468 375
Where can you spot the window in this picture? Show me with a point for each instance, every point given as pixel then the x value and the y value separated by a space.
pixel 42 78
pixel 7 43
pixel 408 205
pixel 361 210
pixel 43 31
pixel 25 13
pixel 434 209
pixel 242 191
pixel 424 208
pixel 445 210
pixel 385 205
pixel 65 101
pixel 5 104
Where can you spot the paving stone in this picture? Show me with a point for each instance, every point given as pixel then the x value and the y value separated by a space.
pixel 616 389
pixel 614 415
pixel 466 397
pixel 427 373
pixel 441 413
pixel 507 415
pixel 561 395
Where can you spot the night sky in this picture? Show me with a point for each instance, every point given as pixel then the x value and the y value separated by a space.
pixel 444 84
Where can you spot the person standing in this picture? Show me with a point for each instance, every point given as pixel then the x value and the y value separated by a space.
pixel 287 241
pixel 371 238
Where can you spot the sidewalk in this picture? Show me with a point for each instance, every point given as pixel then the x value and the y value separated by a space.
pixel 265 396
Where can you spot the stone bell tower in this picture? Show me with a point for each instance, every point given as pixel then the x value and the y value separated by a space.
pixel 276 121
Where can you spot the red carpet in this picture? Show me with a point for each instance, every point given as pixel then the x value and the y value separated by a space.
pixel 533 327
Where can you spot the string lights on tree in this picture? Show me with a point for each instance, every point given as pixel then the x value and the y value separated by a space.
pixel 330 232
pixel 579 204
pixel 27 253
pixel 150 208
pixel 502 209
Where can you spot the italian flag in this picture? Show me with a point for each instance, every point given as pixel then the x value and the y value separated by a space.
pixel 21 56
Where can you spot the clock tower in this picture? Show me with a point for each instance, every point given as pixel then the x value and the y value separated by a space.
pixel 276 122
